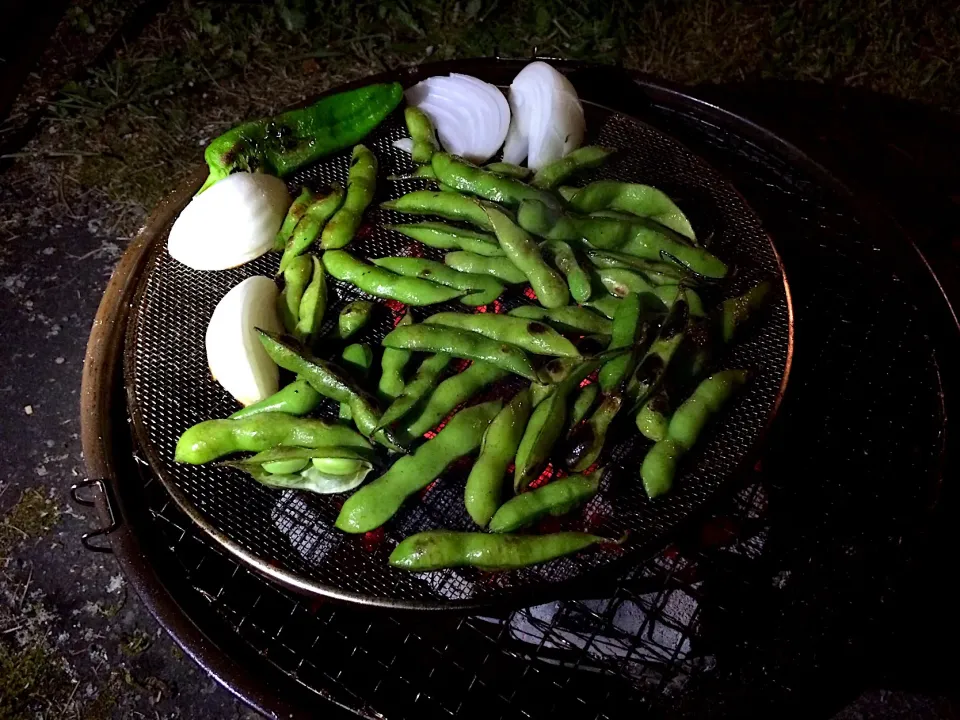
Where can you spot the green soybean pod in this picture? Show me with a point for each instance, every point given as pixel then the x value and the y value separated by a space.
pixel 295 212
pixel 426 378
pixel 372 505
pixel 480 289
pixel 583 402
pixel 357 358
pixel 213 439
pixel 354 317
pixel 523 252
pixel 438 549
pixel 383 283
pixel 450 237
pixel 627 327
pixel 361 184
pixel 422 133
pixel 586 441
pixel 584 158
pixel 555 498
pixel 295 280
pixel 485 482
pixel 297 398
pixel 570 318
pixel 660 464
pixel 641 200
pixel 448 205
pixel 449 394
pixel 468 178
pixel 565 261
pixel 393 362
pixel 462 344
pixel 547 422
pixel 499 267
pixel 313 304
pixel 530 335
pixel 651 421
pixel 310 225
pixel 508 170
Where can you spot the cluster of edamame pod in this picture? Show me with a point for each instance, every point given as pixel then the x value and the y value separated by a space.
pixel 635 340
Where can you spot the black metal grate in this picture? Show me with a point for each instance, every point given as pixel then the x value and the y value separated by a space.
pixel 787 576
pixel 291 534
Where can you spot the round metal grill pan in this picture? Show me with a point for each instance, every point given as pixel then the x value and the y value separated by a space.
pixel 290 535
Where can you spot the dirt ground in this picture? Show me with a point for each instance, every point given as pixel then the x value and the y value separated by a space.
pixel 108 132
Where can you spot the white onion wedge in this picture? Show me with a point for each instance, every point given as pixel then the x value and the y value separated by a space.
pixel 546 117
pixel 235 355
pixel 471 116
pixel 232 222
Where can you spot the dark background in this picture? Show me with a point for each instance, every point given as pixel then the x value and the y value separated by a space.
pixel 105 104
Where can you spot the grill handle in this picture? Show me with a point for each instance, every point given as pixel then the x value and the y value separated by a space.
pixel 99 499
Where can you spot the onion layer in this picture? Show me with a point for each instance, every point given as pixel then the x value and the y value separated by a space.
pixel 547 117
pixel 471 116
pixel 235 355
pixel 232 222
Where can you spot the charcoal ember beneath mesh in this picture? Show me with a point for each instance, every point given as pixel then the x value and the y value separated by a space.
pixel 171 390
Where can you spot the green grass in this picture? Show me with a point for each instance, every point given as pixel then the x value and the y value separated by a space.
pixel 130 129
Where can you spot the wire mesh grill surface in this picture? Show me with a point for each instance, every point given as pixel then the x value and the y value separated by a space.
pixel 292 533
pixel 778 588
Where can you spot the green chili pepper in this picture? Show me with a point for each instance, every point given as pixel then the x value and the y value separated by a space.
pixel 310 225
pixel 383 283
pixel 426 378
pixel 529 335
pixel 294 213
pixel 508 170
pixel 393 362
pixel 544 428
pixel 656 273
pixel 641 200
pixel 361 185
pixel 281 145
pixel 641 237
pixel 523 252
pixel 468 178
pixel 212 439
pixel 499 267
pixel 438 549
pixel 481 289
pixel 297 398
pixel 462 344
pixel 450 237
pixel 627 332
pixel 585 158
pixel 570 318
pixel 313 304
pixel 448 205
pixel 354 317
pixel 295 280
pixel 358 359
pixel 485 482
pixel 587 439
pixel 555 498
pixel 660 465
pixel 652 420
pixel 422 133
pixel 451 393
pixel 330 381
pixel 371 506
pixel 565 260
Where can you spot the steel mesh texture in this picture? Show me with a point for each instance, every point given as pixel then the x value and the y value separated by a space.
pixel 797 560
pixel 291 533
